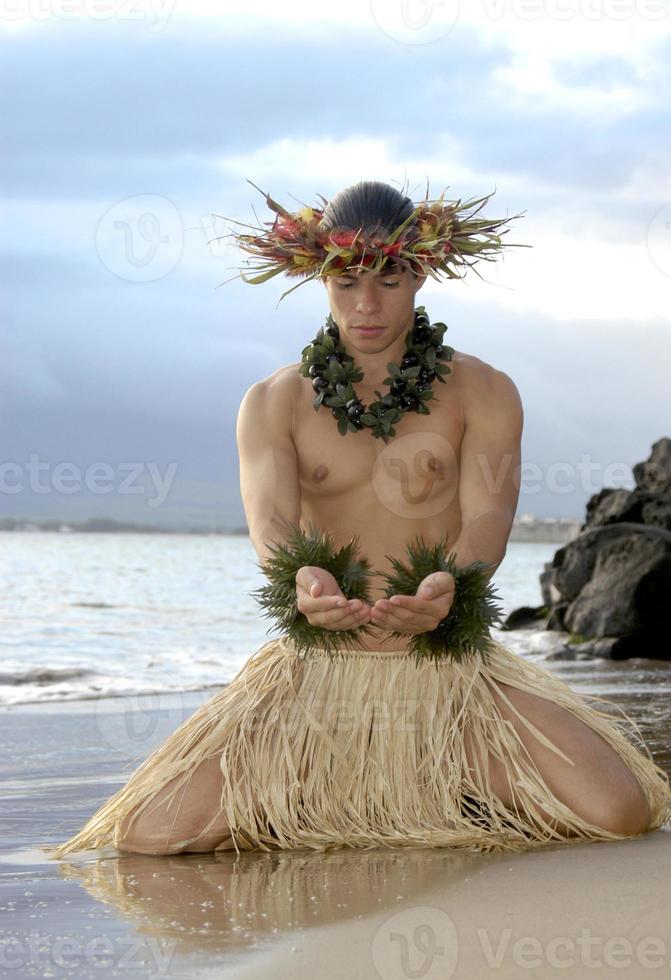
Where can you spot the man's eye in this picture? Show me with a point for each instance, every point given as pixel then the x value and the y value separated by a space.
pixel 391 285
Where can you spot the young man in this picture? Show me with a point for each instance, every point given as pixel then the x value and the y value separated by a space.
pixel 465 456
pixel 496 751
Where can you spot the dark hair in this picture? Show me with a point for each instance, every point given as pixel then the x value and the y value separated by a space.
pixel 370 205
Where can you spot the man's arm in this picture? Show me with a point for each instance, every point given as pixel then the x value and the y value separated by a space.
pixel 268 463
pixel 489 477
pixel 271 497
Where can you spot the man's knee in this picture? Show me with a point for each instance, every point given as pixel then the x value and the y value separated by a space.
pixel 137 834
pixel 176 818
pixel 625 812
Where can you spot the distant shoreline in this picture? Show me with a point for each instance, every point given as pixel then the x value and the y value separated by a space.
pixel 542 530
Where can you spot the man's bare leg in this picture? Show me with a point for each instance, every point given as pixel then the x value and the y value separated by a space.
pixel 158 826
pixel 599 788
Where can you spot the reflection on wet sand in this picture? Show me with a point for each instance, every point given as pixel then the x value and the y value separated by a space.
pixel 230 903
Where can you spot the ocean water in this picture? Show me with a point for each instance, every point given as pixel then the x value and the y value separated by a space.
pixel 95 616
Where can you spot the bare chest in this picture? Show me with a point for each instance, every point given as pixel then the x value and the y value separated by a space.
pixel 414 475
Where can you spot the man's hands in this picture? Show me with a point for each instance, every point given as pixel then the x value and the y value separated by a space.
pixel 419 613
pixel 322 602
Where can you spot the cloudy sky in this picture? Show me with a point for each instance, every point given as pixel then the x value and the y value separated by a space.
pixel 132 127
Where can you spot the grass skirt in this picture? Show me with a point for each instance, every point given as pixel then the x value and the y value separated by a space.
pixel 366 749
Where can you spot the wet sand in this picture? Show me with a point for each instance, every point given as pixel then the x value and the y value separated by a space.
pixel 576 910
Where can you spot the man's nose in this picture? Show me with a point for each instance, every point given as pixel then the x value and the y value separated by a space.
pixel 367 303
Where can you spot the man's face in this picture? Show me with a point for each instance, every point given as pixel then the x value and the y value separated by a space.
pixel 361 298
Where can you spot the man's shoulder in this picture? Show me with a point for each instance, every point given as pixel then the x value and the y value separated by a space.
pixel 282 382
pixel 488 393
pixel 478 376
pixel 275 393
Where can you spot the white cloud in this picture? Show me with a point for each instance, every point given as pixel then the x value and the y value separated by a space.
pixel 571 277
pixel 342 159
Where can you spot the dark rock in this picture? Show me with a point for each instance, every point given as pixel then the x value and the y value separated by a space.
pixel 568 653
pixel 611 648
pixel 614 506
pixel 555 620
pixel 549 592
pixel 654 473
pixel 524 617
pixel 629 583
pixel 611 585
pixel 657 512
pixel 573 564
pixel 602 647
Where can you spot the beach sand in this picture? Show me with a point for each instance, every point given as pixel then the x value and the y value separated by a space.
pixel 574 910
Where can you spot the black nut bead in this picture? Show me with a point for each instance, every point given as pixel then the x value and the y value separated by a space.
pixel 409 360
pixel 426 374
pixel 421 333
pixel 315 371
pixel 421 318
pixel 333 331
pixel 439 350
pixel 423 386
pixel 319 383
pixel 354 412
pixel 398 386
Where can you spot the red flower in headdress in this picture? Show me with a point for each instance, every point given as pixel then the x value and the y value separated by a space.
pixel 343 238
pixel 287 229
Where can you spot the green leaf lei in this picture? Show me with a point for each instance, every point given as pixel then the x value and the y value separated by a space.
pixel 465 630
pixel 333 372
pixel 278 598
pixel 463 633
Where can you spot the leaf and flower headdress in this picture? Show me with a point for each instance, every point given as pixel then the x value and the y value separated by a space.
pixel 438 237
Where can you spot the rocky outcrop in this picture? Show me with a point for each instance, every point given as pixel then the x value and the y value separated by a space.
pixel 609 588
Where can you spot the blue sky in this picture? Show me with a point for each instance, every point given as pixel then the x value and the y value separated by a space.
pixel 131 126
